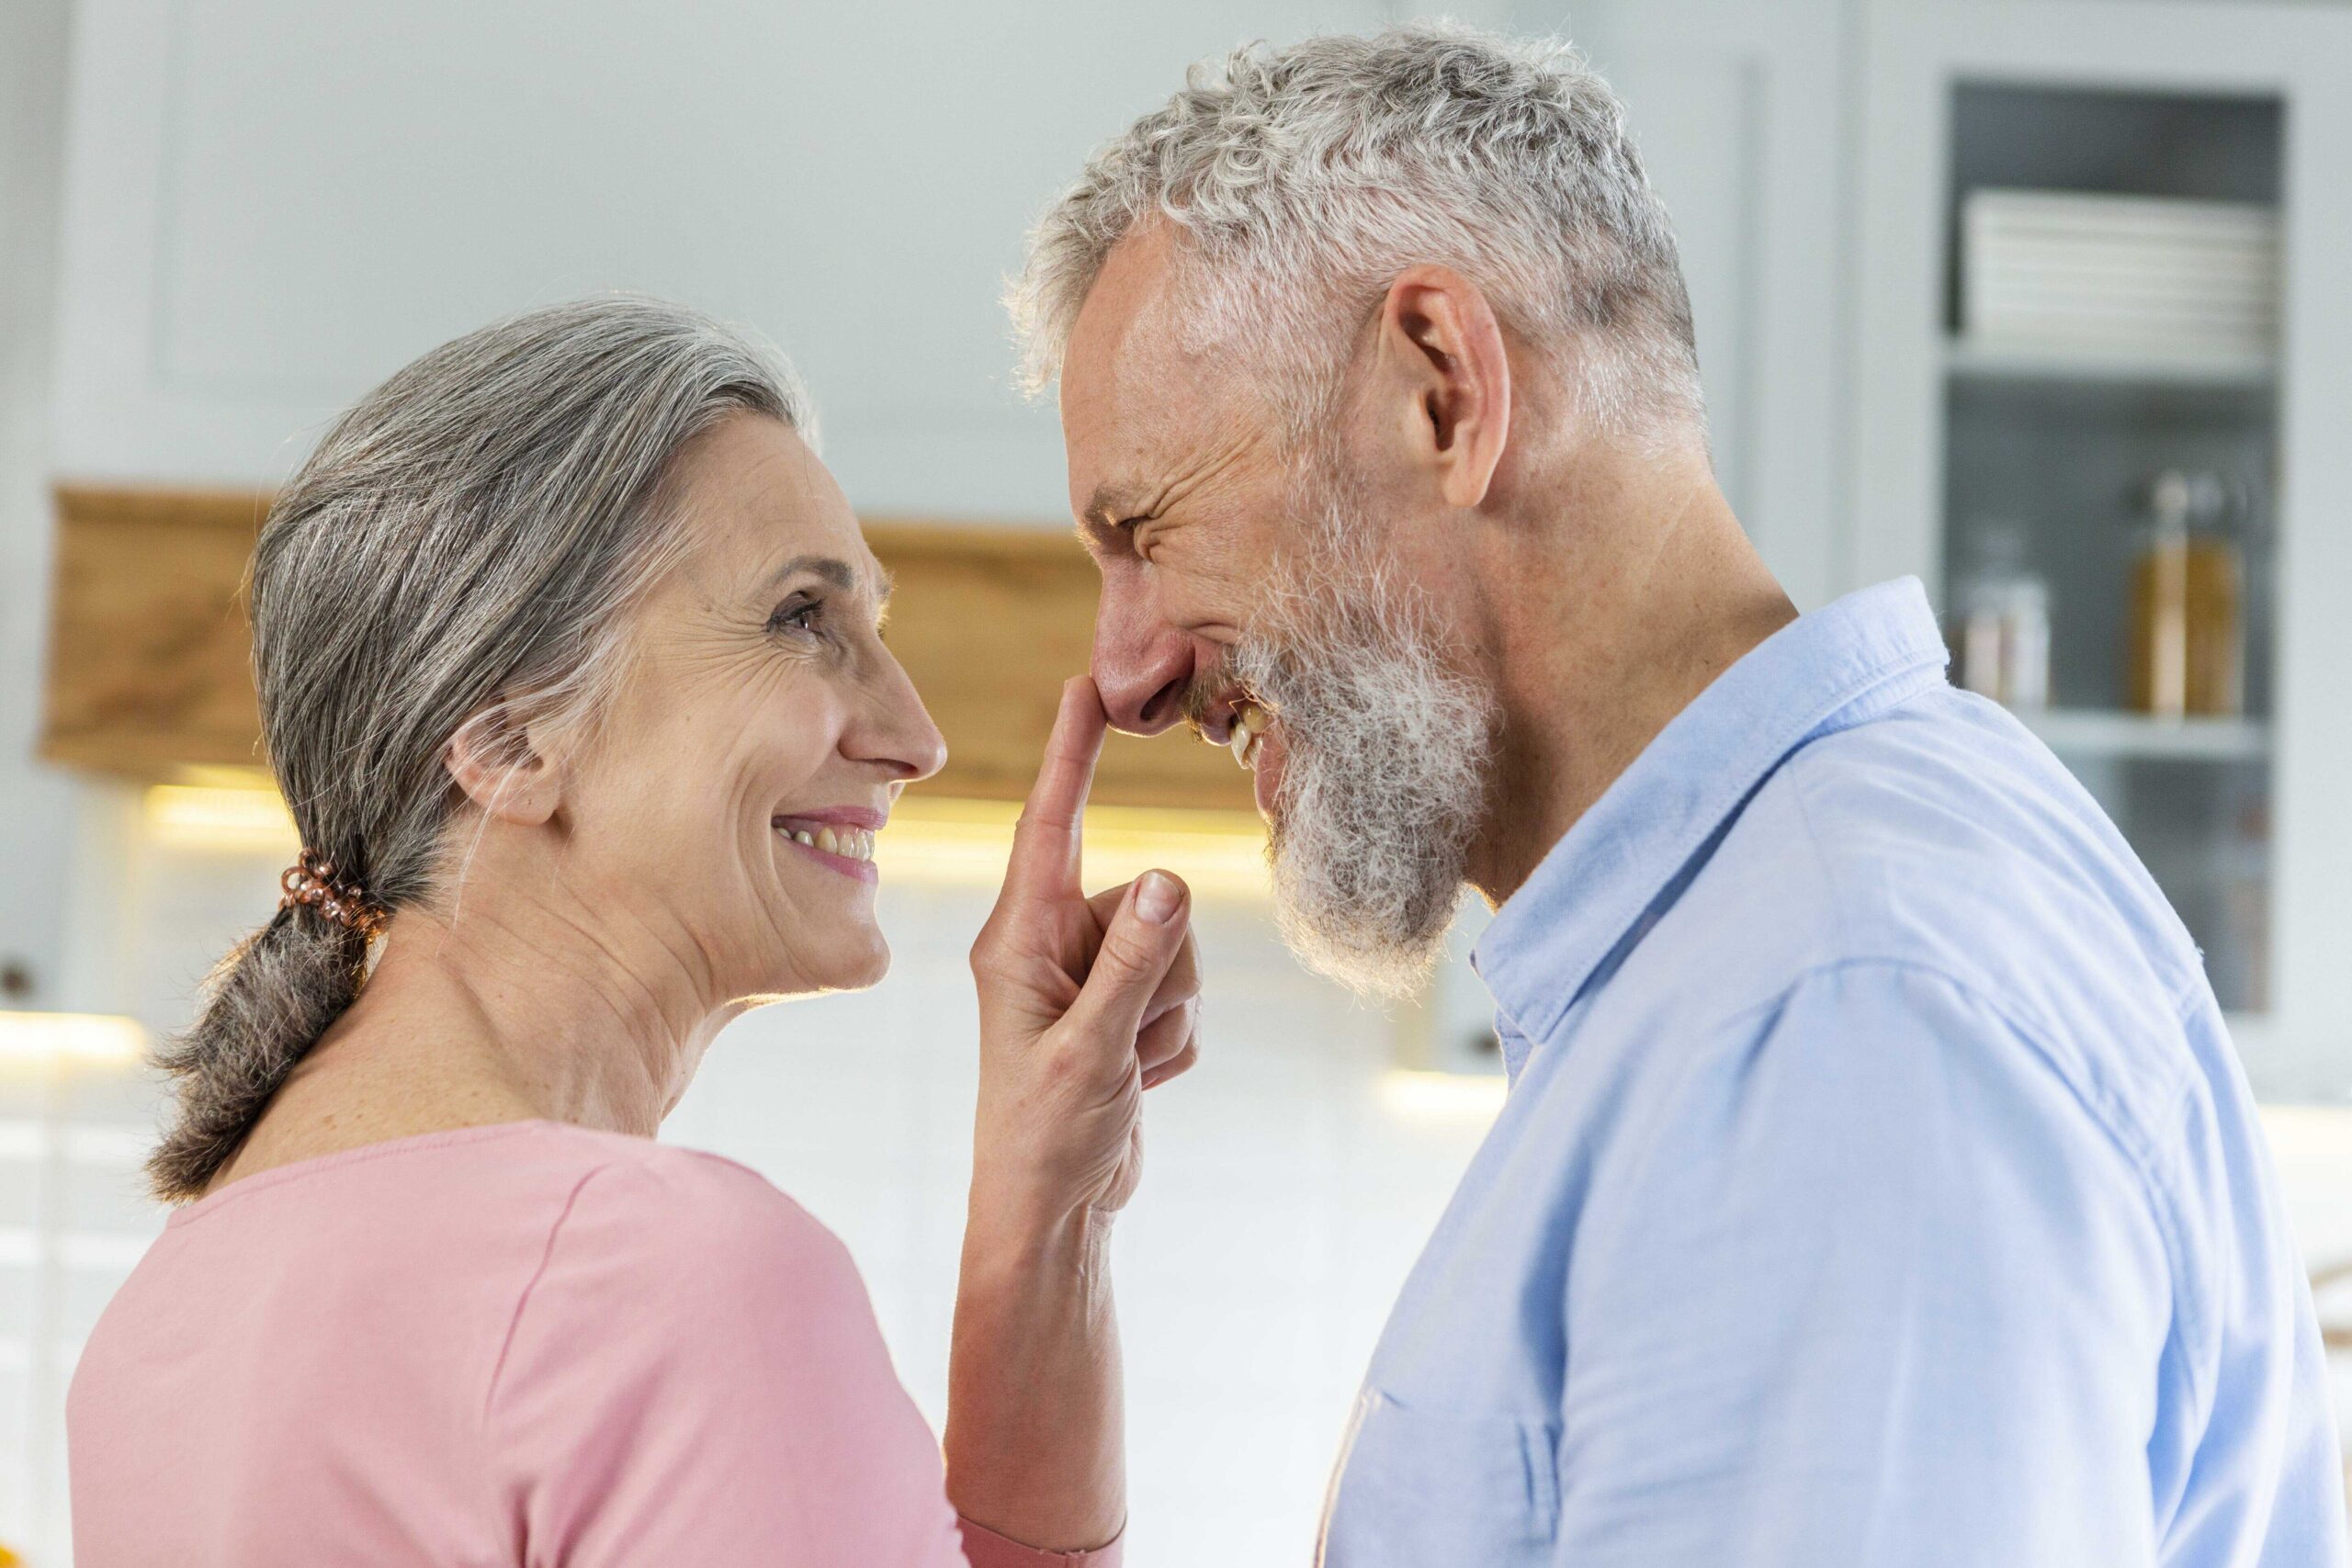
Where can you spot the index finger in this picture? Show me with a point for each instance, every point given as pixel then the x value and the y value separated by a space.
pixel 1045 861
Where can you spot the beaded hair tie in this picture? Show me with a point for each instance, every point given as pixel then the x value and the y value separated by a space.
pixel 311 881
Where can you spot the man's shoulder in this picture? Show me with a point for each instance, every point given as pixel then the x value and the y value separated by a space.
pixel 1942 839
pixel 1944 834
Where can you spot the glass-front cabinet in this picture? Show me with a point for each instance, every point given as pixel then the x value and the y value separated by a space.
pixel 2105 410
pixel 2110 440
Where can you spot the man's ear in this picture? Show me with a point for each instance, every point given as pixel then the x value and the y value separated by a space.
pixel 1440 337
pixel 493 759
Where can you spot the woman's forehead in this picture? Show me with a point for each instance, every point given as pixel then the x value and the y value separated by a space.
pixel 758 499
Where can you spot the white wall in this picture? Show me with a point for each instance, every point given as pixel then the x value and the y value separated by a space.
pixel 35 807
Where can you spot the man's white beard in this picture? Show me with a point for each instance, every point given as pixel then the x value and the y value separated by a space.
pixel 1384 775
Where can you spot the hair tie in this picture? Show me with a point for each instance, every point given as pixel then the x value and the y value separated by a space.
pixel 311 881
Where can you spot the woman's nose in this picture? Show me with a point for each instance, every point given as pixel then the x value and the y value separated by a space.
pixel 1141 663
pixel 898 732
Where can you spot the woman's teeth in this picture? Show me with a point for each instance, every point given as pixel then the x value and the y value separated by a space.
pixel 851 843
pixel 1246 733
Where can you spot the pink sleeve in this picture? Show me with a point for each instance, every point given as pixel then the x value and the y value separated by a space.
pixel 696 1376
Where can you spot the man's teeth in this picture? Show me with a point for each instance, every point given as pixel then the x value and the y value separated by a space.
pixel 1248 732
pixel 851 843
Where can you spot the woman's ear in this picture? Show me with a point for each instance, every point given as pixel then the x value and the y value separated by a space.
pixel 493 759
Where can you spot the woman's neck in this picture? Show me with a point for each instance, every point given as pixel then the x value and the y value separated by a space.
pixel 490 1023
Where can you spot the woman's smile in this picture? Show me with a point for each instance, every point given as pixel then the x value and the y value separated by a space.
pixel 840 838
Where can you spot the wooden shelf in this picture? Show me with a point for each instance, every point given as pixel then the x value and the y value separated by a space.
pixel 150 676
pixel 2093 732
pixel 2020 361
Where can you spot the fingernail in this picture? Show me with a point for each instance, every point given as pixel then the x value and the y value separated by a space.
pixel 1155 897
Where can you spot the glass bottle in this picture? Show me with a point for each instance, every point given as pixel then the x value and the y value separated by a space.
pixel 2188 585
pixel 2001 628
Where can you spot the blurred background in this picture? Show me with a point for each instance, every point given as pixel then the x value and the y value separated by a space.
pixel 2042 300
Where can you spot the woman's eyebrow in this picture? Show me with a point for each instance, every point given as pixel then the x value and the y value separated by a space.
pixel 838 572
pixel 835 570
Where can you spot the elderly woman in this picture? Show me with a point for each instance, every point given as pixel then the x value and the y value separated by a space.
pixel 571 672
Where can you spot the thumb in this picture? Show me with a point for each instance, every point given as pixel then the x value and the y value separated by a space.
pixel 1145 936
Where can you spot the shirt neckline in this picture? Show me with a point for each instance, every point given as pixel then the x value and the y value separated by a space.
pixel 1830 669
pixel 317 1164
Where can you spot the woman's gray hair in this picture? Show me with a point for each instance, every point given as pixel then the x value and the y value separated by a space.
pixel 458 553
pixel 1305 179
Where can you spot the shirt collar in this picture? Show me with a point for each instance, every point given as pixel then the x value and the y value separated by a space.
pixel 1835 668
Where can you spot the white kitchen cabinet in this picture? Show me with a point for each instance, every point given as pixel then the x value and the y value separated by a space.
pixel 2242 814
pixel 273 203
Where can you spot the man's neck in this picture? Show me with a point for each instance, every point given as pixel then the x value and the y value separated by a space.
pixel 1607 621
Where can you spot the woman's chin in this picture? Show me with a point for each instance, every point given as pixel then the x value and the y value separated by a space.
pixel 845 968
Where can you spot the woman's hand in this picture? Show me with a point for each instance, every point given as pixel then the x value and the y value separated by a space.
pixel 1084 1003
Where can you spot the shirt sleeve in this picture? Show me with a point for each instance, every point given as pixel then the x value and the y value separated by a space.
pixel 696 1376
pixel 1880 1287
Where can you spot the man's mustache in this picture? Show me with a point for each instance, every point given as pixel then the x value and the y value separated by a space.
pixel 1208 690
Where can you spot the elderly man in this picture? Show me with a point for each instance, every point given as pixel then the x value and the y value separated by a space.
pixel 1877 1184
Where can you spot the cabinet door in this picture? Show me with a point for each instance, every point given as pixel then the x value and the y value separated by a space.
pixel 1738 111
pixel 270 205
pixel 1922 58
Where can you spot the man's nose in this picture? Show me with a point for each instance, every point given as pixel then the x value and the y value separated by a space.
pixel 1141 663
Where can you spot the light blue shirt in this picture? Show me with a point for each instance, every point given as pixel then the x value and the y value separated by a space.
pixel 1877 1184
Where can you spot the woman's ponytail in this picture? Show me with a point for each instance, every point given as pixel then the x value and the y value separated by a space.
pixel 265 1006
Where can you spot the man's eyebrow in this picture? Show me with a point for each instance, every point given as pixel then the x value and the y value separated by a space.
pixel 1111 503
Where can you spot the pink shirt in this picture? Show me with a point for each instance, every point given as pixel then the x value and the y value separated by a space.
pixel 524 1346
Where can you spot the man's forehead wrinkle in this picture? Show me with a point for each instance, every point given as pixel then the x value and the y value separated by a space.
pixel 1153 421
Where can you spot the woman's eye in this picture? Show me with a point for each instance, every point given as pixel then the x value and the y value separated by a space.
pixel 798 614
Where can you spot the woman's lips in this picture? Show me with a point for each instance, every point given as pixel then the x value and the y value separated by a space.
pixel 869 818
pixel 840 839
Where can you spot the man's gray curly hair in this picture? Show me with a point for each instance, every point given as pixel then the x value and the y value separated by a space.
pixel 1305 179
